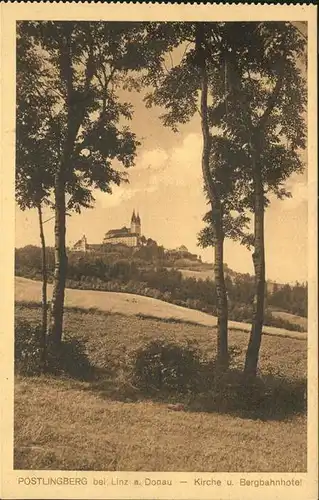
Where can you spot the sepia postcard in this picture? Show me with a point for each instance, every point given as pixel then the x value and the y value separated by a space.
pixel 159 312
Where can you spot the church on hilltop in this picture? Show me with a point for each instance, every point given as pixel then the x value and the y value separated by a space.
pixel 125 236
pixel 129 236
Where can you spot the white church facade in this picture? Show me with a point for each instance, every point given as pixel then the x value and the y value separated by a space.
pixel 125 236
pixel 129 236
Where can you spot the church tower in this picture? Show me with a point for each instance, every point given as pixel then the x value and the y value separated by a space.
pixel 136 224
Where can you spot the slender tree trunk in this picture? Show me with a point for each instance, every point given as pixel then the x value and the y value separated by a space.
pixel 60 268
pixel 256 136
pixel 44 290
pixel 222 302
pixel 252 354
pixel 75 114
pixel 222 306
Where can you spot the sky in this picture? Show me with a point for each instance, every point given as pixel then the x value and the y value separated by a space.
pixel 166 187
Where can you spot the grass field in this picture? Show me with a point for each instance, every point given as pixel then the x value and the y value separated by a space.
pixel 291 318
pixel 132 305
pixel 63 423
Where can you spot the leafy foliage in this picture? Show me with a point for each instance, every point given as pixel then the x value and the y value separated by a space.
pixel 228 166
pixel 289 298
pixel 71 359
pixel 83 127
pixel 34 145
pixel 100 55
pixel 27 347
pixel 253 72
pixel 263 80
pixel 243 74
pixel 166 367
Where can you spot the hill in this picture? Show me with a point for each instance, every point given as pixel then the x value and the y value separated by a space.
pixel 129 304
pixel 292 318
pixel 197 274
pixel 148 271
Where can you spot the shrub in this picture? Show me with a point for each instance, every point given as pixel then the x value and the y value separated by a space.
pixel 166 367
pixel 240 312
pixel 69 358
pixel 265 397
pixel 283 394
pixel 27 347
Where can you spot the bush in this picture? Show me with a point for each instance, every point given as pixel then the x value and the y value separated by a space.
pixel 283 394
pixel 69 358
pixel 27 347
pixel 166 367
pixel 240 312
pixel 266 397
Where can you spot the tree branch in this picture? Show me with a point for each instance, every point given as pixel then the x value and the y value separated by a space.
pixel 90 68
pixel 271 101
pixel 201 62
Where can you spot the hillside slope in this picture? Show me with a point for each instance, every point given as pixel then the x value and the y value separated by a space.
pixel 132 305
pixel 198 275
pixel 291 318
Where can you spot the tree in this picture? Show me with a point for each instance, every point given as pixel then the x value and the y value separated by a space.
pixel 83 65
pixel 151 243
pixel 179 91
pixel 227 166
pixel 252 90
pixel 263 111
pixel 201 55
pixel 33 182
pixel 289 298
pixel 142 240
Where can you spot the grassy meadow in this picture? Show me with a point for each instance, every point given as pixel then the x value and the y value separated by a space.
pixel 103 424
pixel 130 304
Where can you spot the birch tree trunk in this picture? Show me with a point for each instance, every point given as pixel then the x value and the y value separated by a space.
pixel 257 141
pixel 60 257
pixel 252 354
pixel 222 306
pixel 222 302
pixel 44 289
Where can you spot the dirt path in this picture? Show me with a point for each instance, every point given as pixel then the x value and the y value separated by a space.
pixel 132 305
